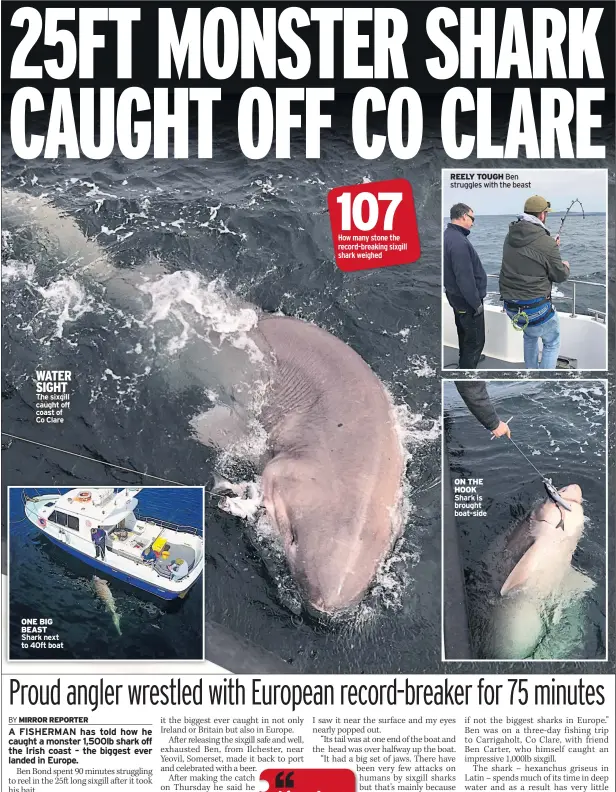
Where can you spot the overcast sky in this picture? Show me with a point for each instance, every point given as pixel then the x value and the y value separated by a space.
pixel 559 187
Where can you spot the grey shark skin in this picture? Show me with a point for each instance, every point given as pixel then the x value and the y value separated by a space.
pixel 541 582
pixel 101 587
pixel 332 485
pixel 332 478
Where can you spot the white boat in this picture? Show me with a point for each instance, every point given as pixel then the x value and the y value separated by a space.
pixel 153 555
pixel 583 337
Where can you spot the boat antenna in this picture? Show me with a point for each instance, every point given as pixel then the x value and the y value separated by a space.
pixel 562 220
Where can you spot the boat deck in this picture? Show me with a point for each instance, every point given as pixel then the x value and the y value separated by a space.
pixel 451 357
pixel 489 363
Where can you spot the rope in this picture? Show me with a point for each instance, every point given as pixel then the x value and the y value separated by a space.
pixel 101 462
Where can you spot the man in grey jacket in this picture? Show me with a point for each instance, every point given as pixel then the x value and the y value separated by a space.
pixel 531 264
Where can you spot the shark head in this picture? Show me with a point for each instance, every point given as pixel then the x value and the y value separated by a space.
pixel 554 522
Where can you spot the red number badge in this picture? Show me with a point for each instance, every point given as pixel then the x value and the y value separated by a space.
pixel 374 225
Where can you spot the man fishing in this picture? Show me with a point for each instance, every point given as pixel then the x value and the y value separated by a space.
pixel 531 264
pixel 99 537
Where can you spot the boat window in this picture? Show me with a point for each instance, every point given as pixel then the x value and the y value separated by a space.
pixel 73 522
pixel 66 520
pixel 47 505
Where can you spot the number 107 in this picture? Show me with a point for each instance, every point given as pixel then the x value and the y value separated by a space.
pixel 353 210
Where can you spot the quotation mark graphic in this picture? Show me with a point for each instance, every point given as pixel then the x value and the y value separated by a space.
pixel 285 780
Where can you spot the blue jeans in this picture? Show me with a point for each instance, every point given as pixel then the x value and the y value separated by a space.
pixel 549 333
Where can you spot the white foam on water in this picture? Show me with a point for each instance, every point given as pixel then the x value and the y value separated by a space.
pixel 65 300
pixel 14 270
pixel 420 366
pixel 245 503
pixel 197 308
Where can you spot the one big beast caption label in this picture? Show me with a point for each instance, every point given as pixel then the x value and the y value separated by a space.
pixel 374 225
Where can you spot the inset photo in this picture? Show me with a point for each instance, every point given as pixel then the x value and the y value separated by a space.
pixel 524 269
pixel 102 573
pixel 524 519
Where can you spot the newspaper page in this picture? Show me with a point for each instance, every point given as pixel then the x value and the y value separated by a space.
pixel 308 396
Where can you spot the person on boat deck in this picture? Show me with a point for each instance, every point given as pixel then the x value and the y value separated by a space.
pixel 466 283
pixel 475 396
pixel 149 555
pixel 99 537
pixel 531 264
pixel 178 569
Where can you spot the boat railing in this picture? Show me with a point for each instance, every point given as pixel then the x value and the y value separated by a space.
pixel 165 525
pixel 598 316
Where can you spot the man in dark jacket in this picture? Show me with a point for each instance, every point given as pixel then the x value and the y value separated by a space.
pixel 531 264
pixel 465 283
pixel 475 395
pixel 99 537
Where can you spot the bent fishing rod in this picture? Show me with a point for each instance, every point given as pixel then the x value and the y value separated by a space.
pixel 562 220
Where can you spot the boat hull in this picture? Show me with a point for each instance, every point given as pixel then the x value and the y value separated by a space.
pixel 107 569
pixel 582 339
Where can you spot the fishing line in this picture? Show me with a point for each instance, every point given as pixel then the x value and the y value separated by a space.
pixel 549 487
pixel 108 464
pixel 528 460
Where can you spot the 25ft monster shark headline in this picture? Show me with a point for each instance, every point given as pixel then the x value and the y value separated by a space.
pixel 246 45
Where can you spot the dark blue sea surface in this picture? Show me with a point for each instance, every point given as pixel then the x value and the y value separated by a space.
pixel 48 583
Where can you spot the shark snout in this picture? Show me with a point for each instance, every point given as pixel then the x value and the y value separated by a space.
pixel 326 592
pixel 572 492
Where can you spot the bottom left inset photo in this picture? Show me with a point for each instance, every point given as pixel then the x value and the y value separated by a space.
pixel 104 573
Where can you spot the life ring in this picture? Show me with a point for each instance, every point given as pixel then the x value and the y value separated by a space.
pixel 83 497
pixel 42 522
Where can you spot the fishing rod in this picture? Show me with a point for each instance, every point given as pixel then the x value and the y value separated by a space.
pixel 562 221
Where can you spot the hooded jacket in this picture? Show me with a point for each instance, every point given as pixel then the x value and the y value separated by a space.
pixel 464 277
pixel 531 261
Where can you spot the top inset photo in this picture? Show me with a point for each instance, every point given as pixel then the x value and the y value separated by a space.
pixel 524 255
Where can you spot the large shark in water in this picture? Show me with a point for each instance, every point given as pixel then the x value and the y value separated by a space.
pixel 539 582
pixel 333 467
pixel 332 484
pixel 332 475
pixel 101 587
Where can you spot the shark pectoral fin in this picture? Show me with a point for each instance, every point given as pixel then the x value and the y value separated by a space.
pixel 221 426
pixel 523 570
